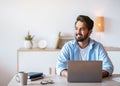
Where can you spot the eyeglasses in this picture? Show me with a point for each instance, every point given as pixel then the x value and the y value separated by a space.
pixel 45 82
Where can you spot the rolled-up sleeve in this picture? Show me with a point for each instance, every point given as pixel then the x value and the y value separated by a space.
pixel 107 64
pixel 62 60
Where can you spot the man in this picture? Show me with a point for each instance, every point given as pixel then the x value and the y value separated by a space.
pixel 83 48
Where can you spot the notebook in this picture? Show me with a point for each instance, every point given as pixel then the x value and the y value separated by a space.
pixel 84 71
pixel 34 74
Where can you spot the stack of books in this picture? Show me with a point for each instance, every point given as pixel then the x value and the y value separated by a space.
pixel 34 76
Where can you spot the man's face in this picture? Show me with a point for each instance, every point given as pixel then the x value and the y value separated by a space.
pixel 81 31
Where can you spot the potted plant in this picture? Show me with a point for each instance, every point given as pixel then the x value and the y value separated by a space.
pixel 28 41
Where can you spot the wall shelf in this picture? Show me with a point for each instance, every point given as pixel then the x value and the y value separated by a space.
pixel 112 48
pixel 36 49
pixel 52 49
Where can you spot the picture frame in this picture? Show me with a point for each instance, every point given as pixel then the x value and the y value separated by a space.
pixel 62 40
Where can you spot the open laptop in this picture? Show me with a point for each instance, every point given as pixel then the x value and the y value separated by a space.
pixel 84 71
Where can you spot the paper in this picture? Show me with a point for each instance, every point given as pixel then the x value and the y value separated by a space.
pixel 116 79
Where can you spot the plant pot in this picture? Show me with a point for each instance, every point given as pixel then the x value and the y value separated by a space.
pixel 27 44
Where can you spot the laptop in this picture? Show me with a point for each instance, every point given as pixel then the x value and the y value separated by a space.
pixel 84 71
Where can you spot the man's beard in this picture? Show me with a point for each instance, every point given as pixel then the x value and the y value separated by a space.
pixel 81 38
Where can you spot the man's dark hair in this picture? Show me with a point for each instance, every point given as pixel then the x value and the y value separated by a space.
pixel 85 19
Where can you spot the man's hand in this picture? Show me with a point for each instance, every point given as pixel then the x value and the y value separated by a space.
pixel 64 73
pixel 105 73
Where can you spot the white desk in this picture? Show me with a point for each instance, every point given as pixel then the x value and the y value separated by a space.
pixel 61 81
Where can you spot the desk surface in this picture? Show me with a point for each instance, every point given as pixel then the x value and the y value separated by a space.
pixel 114 80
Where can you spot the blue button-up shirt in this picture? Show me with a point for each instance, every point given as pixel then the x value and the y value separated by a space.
pixel 71 51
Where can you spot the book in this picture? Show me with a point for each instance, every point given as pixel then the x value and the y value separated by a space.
pixel 37 78
pixel 34 74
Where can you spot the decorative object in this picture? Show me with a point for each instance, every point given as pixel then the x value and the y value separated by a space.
pixel 63 40
pixel 54 40
pixel 42 44
pixel 99 24
pixel 58 41
pixel 99 27
pixel 28 41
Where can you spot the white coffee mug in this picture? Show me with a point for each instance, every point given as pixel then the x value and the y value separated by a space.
pixel 21 77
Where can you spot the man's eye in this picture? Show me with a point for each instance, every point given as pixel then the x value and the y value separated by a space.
pixel 76 28
pixel 82 29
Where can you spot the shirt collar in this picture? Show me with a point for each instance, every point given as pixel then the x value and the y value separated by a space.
pixel 91 43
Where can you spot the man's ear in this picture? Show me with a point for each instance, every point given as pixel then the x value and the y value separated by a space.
pixel 90 31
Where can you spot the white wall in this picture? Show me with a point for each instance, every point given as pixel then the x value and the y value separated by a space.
pixel 43 18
